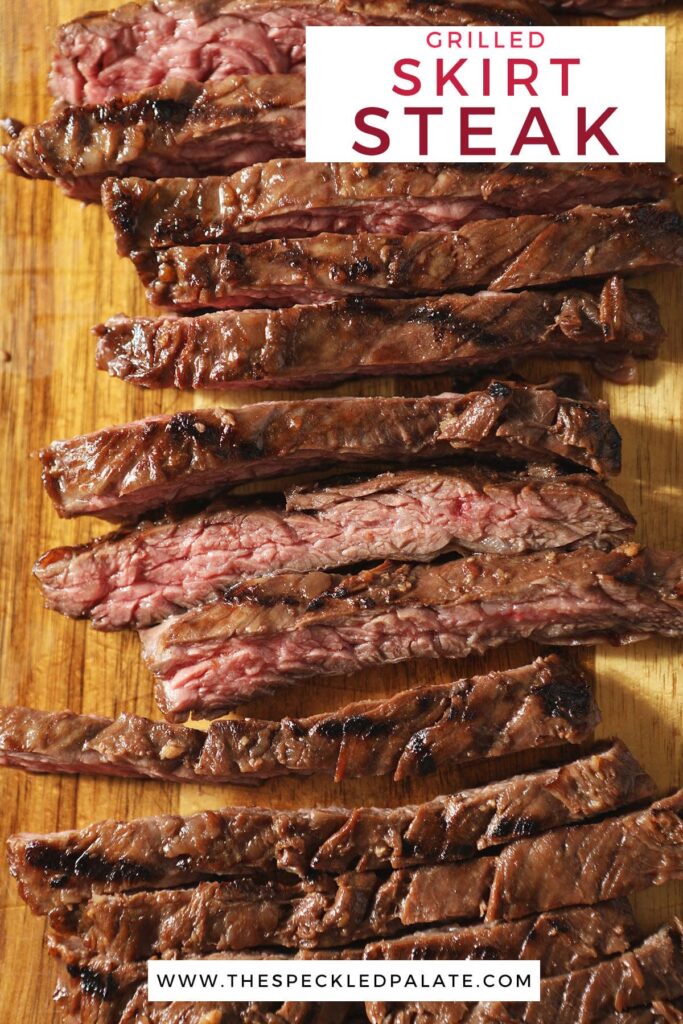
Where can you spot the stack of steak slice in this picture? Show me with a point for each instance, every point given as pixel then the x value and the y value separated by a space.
pixel 138 577
pixel 566 866
pixel 320 344
pixel 170 851
pixel 99 56
pixel 270 632
pixel 292 198
pixel 176 128
pixel 449 879
pixel 503 254
pixel 567 940
pixel 120 472
pixel 653 971
pixel 411 733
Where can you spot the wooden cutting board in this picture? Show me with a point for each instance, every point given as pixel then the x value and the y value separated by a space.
pixel 59 275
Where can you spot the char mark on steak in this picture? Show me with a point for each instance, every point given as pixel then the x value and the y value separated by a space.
pixel 293 199
pixel 122 472
pixel 176 128
pixel 570 866
pixel 412 733
pixel 322 344
pixel 270 632
pixel 504 255
pixel 137 578
pixel 100 56
pixel 169 850
pixel 566 940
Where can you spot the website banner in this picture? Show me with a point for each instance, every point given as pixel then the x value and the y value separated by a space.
pixel 551 94
pixel 334 981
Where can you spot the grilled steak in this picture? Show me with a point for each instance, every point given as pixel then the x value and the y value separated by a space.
pixel 167 851
pixel 564 940
pixel 106 993
pixel 309 346
pixel 124 471
pixel 659 1012
pixel 102 55
pixel 652 971
pixel 272 631
pixel 578 864
pixel 177 128
pixel 139 577
pixel 292 198
pixel 101 991
pixel 503 254
pixel 542 705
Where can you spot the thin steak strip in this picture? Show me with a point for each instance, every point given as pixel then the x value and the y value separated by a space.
pixel 578 864
pixel 270 632
pixel 169 850
pixel 177 128
pixel 503 255
pixel 293 198
pixel 309 346
pixel 100 55
pixel 139 577
pixel 566 940
pixel 539 706
pixel 124 471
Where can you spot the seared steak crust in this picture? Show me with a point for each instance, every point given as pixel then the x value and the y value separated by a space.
pixel 124 471
pixel 169 850
pixel 579 864
pixel 141 576
pixel 269 632
pixel 503 254
pixel 101 992
pixel 308 346
pixel 104 54
pixel 176 128
pixel 412 733
pixel 292 198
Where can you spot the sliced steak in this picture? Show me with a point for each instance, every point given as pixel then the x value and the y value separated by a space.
pixel 139 577
pixel 602 991
pixel 170 850
pixel 562 941
pixel 503 254
pixel 654 970
pixel 124 471
pixel 177 128
pixel 486 716
pixel 101 991
pixel 102 55
pixel 292 198
pixel 578 864
pixel 270 632
pixel 310 346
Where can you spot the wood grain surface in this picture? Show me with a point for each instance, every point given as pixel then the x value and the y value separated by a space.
pixel 59 275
